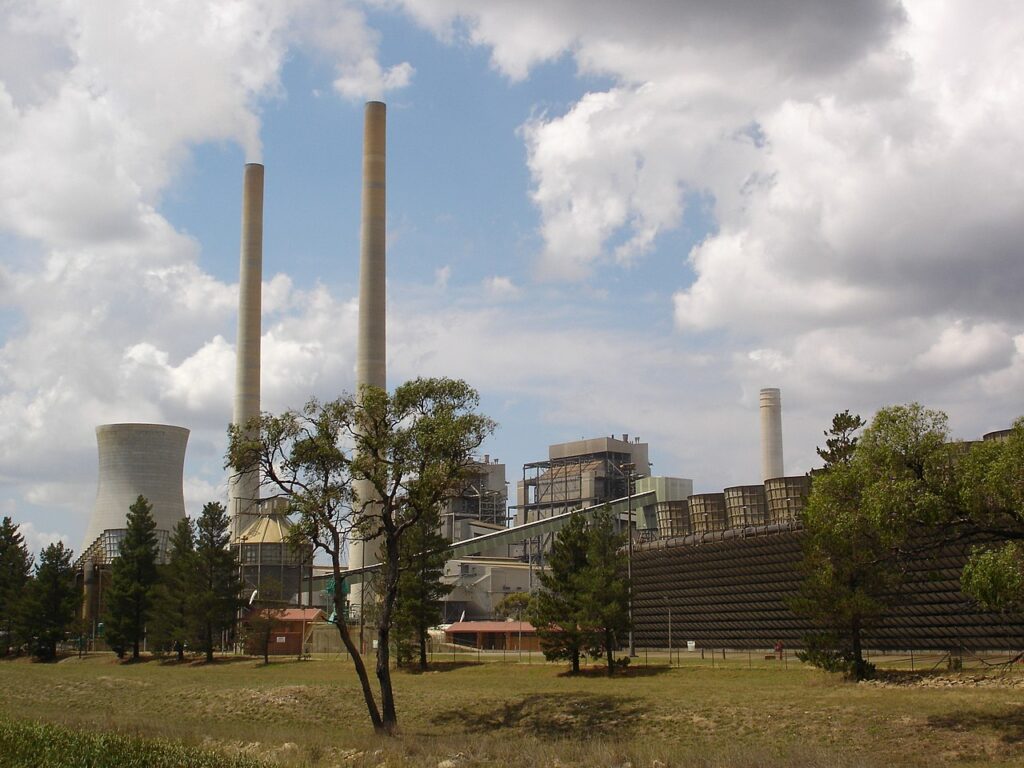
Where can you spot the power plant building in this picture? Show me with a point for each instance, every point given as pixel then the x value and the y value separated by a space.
pixel 481 506
pixel 579 474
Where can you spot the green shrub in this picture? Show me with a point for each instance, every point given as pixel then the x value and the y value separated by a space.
pixel 825 651
pixel 42 745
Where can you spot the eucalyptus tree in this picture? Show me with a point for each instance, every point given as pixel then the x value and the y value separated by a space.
pixel 866 513
pixel 408 450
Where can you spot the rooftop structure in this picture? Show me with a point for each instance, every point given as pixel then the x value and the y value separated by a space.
pixel 482 504
pixel 579 474
pixel 269 563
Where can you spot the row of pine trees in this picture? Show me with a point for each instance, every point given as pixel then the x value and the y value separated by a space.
pixel 182 605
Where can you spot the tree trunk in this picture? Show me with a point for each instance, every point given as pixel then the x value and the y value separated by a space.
pixel 387 697
pixel 575 661
pixel 859 670
pixel 608 652
pixel 353 652
pixel 209 642
pixel 423 648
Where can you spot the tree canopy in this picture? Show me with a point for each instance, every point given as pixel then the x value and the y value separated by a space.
pixel 991 496
pixel 840 440
pixel 133 576
pixel 172 627
pixel 15 571
pixel 50 601
pixel 217 585
pixel 420 589
pixel 858 524
pixel 583 604
pixel 557 609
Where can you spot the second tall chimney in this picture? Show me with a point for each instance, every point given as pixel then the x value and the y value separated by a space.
pixel 371 349
pixel 371 364
pixel 244 488
pixel 771 434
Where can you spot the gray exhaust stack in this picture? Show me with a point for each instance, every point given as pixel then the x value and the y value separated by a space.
pixel 244 488
pixel 371 353
pixel 771 434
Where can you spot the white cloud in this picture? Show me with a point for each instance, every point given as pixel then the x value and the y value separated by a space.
pixel 865 210
pixel 37 540
pixel 501 288
pixel 958 348
pixel 441 276
pixel 338 30
pixel 100 106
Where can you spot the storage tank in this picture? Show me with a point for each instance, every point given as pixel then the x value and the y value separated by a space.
pixel 787 497
pixel 673 519
pixel 268 561
pixel 707 512
pixel 999 436
pixel 138 460
pixel 745 506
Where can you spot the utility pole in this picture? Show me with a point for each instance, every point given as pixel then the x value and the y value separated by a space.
pixel 628 468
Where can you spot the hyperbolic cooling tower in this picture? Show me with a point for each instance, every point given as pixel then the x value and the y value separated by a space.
pixel 138 460
pixel 771 434
pixel 371 351
pixel 244 488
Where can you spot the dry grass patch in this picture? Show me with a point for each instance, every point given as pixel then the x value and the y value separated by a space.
pixel 463 715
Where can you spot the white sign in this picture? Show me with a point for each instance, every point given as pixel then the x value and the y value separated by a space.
pixel 280 639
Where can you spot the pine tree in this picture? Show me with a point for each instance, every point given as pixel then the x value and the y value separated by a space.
pixel 605 588
pixel 48 609
pixel 218 586
pixel 172 626
pixel 420 589
pixel 557 610
pixel 132 579
pixel 15 571
pixel 840 442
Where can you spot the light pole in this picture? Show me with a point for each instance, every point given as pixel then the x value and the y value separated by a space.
pixel 628 470
pixel 668 607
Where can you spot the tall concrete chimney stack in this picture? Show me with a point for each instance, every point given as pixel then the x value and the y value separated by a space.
pixel 371 364
pixel 371 351
pixel 771 434
pixel 244 489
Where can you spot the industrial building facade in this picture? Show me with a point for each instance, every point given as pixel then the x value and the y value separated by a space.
pixel 731 589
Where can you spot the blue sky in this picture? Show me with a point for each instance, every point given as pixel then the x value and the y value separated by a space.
pixel 606 218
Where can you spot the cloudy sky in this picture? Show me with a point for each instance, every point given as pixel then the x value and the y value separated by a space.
pixel 606 216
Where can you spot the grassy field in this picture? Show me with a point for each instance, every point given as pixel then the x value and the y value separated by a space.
pixel 742 712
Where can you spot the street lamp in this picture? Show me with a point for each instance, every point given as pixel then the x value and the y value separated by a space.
pixel 628 469
pixel 668 606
